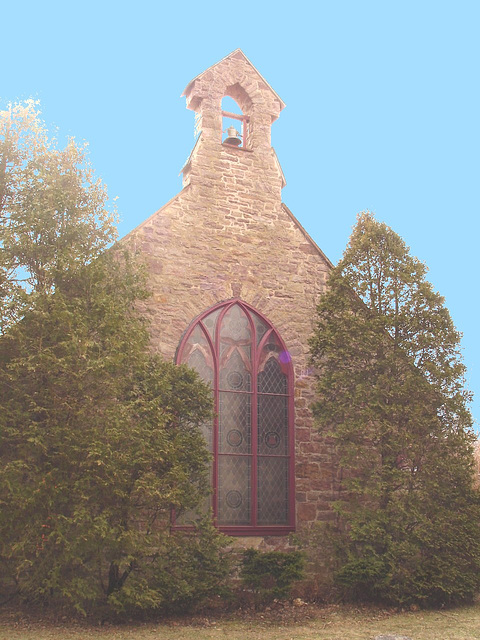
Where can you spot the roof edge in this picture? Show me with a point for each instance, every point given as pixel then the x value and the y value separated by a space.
pixel 142 224
pixel 307 235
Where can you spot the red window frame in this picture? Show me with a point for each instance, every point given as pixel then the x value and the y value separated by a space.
pixel 253 528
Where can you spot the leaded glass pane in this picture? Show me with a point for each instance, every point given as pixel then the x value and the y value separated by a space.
pixel 261 327
pixel 272 425
pixel 272 490
pixel 272 345
pixel 235 326
pixel 234 490
pixel 271 379
pixel 234 422
pixel 234 373
pixel 197 354
pixel 210 322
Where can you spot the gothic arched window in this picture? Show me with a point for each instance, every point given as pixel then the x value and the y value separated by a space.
pixel 245 361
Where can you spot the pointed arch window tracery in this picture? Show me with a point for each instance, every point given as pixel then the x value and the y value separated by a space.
pixel 241 355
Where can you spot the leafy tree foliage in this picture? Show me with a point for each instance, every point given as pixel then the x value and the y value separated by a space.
pixel 54 216
pixel 98 438
pixel 390 393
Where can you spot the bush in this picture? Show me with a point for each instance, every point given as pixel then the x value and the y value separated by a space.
pixel 192 567
pixel 271 574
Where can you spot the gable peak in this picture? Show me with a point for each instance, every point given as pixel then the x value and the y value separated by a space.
pixel 244 67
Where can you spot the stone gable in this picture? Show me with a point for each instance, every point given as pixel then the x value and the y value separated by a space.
pixel 227 235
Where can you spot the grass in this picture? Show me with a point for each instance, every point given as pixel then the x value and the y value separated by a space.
pixel 311 623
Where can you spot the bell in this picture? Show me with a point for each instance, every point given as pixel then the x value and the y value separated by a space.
pixel 233 137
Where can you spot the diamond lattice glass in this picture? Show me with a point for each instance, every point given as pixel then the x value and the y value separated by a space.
pixel 272 490
pixel 234 424
pixel 272 425
pixel 234 490
pixel 271 379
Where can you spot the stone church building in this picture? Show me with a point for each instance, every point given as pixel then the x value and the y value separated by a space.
pixel 235 280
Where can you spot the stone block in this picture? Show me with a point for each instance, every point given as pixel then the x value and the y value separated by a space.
pixel 306 512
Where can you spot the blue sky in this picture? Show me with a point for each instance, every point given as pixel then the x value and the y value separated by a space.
pixel 382 111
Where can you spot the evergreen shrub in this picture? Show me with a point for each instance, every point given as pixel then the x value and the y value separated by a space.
pixel 271 574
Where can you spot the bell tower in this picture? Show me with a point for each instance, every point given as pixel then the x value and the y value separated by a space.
pixel 242 155
pixel 235 279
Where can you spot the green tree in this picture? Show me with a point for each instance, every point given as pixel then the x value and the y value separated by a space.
pixel 54 213
pixel 99 438
pixel 390 392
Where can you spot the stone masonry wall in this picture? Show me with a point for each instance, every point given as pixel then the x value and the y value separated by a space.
pixel 228 235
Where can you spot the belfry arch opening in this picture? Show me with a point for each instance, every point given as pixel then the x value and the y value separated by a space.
pixel 235 124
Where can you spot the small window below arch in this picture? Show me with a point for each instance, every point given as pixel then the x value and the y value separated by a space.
pixel 240 354
pixel 234 124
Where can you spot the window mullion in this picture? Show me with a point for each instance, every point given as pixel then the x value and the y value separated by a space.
pixel 254 423
pixel 215 436
pixel 216 385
